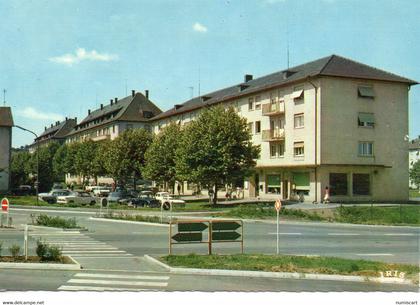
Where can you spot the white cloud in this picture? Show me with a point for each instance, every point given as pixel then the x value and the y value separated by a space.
pixel 32 113
pixel 198 27
pixel 80 55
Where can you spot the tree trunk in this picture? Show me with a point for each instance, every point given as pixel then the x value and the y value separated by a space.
pixel 215 194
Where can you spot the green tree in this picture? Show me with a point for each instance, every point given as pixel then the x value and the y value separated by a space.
pixel 69 164
pixel 45 154
pixel 415 174
pixel 216 149
pixel 59 164
pixel 160 164
pixel 124 157
pixel 19 168
pixel 83 160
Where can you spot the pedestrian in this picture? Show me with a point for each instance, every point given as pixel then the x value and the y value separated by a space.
pixel 179 189
pixel 326 195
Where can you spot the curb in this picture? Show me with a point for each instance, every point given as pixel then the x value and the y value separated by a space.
pixel 130 221
pixel 42 266
pixel 278 275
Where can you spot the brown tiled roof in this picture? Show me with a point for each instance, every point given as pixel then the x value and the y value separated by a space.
pixel 328 66
pixel 6 119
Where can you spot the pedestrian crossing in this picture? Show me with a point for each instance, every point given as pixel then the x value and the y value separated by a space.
pixel 115 282
pixel 79 245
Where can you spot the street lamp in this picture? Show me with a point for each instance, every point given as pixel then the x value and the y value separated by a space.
pixel 37 160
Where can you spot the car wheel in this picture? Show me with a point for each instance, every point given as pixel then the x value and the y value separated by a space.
pixel 166 206
pixel 93 202
pixel 71 201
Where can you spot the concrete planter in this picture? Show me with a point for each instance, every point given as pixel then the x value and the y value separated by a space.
pixel 42 266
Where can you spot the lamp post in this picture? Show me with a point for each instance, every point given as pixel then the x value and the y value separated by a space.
pixel 37 160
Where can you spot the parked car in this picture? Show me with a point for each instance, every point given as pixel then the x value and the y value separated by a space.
pixel 101 191
pixel 145 199
pixel 51 197
pixel 121 197
pixel 23 190
pixel 166 200
pixel 77 197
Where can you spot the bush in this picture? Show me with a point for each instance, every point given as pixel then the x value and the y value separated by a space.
pixel 14 251
pixel 58 222
pixel 1 247
pixel 48 253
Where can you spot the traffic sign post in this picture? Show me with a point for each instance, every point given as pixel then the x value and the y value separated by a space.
pixel 277 206
pixel 4 212
pixel 25 243
pixel 103 205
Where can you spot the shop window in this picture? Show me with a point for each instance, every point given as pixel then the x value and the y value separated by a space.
pixel 361 184
pixel 273 184
pixel 338 184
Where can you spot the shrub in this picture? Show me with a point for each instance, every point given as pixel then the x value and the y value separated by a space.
pixel 58 222
pixel 48 253
pixel 1 247
pixel 14 251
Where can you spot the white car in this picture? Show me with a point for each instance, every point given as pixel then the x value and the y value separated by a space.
pixel 77 197
pixel 166 200
pixel 101 191
pixel 51 197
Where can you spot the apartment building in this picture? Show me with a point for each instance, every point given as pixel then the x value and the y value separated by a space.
pixel 332 122
pixel 57 132
pixel 413 157
pixel 108 121
pixel 6 124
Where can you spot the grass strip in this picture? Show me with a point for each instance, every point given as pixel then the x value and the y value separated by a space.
pixel 289 263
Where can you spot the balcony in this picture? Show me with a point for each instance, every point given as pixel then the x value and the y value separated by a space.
pixel 273 108
pixel 273 135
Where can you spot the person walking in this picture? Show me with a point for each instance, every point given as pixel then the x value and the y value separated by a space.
pixel 326 195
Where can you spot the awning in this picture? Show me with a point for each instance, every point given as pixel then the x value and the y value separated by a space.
pixel 301 180
pixel 365 91
pixel 366 117
pixel 297 94
pixel 298 144
pixel 273 180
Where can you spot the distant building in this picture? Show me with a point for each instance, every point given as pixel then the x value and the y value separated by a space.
pixel 414 156
pixel 6 124
pixel 55 133
pixel 108 121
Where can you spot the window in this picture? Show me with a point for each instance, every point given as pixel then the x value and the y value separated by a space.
pixel 257 126
pixel 299 149
pixel 366 119
pixel 299 120
pixel 298 94
pixel 338 184
pixel 273 184
pixel 365 92
pixel 361 184
pixel 251 104
pixel 366 149
pixel 277 150
pixel 250 127
pixel 257 102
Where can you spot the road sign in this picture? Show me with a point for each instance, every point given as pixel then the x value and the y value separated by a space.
pixel 188 237
pixel 225 226
pixel 5 205
pixel 228 235
pixel 192 227
pixel 277 205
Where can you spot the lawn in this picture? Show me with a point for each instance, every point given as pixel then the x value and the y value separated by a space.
pixel 288 263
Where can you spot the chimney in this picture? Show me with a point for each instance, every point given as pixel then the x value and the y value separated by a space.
pixel 111 102
pixel 45 128
pixel 102 106
pixel 205 98
pixel 146 92
pixel 88 111
pixel 242 87
pixel 177 106
pixel 247 78
pixel 67 119
pixel 133 93
pixel 116 100
pixel 75 120
pixel 52 125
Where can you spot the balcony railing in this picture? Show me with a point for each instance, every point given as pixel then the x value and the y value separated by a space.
pixel 273 108
pixel 101 137
pixel 273 134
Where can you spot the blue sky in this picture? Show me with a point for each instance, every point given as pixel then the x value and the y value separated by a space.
pixel 61 58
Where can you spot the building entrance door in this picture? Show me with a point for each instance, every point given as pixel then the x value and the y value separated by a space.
pixel 285 189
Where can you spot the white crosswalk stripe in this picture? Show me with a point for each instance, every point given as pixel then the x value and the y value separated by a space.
pixel 115 282
pixel 78 245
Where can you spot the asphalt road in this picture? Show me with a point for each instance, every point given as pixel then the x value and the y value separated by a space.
pixel 111 254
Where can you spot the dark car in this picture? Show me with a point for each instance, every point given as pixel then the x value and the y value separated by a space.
pixel 121 197
pixel 145 199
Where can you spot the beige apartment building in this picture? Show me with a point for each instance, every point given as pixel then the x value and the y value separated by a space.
pixel 332 123
pixel 6 124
